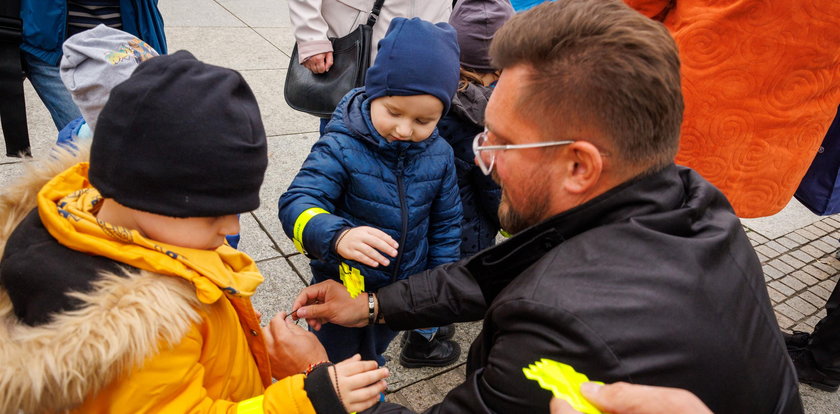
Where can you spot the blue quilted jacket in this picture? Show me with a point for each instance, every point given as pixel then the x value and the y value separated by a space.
pixel 407 190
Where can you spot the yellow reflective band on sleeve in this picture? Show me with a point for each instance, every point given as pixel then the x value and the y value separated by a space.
pixel 300 224
pixel 563 381
pixel 251 406
pixel 352 279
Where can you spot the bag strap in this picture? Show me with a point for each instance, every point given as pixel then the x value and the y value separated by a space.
pixel 374 13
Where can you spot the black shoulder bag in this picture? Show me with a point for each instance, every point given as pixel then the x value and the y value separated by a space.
pixel 319 94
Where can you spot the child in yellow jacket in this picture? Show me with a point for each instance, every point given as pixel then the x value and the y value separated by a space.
pixel 117 292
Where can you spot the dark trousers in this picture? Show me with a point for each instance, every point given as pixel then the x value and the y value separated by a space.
pixel 825 341
pixel 342 343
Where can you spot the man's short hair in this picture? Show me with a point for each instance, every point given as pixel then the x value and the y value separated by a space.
pixel 600 63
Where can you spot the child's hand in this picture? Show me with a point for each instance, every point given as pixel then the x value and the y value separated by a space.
pixel 364 244
pixel 291 348
pixel 359 382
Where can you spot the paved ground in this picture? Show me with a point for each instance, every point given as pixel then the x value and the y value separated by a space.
pixel 254 37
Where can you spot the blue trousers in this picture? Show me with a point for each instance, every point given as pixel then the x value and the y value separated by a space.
pixel 342 343
pixel 47 83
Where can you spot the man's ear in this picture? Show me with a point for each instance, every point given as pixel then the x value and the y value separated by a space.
pixel 585 167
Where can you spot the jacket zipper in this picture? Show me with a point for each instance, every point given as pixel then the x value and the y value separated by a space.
pixel 403 215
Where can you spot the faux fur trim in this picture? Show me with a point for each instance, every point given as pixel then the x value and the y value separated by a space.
pixel 20 197
pixel 125 320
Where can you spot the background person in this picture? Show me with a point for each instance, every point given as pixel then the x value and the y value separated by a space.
pixel 622 264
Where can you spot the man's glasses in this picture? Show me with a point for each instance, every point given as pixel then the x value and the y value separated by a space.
pixel 486 154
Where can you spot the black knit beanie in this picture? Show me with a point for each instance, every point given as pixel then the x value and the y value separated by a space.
pixel 180 138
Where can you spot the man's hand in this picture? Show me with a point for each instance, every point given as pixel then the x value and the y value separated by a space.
pixel 624 398
pixel 319 63
pixel 291 348
pixel 364 244
pixel 329 301
pixel 359 382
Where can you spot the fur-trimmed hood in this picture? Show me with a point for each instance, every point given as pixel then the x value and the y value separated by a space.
pixel 123 320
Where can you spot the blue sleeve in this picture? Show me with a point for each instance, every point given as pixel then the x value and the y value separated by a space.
pixel 445 219
pixel 319 184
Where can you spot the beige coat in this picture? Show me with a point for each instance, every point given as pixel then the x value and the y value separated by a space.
pixel 315 21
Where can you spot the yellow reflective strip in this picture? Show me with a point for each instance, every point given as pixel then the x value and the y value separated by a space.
pixel 352 279
pixel 300 224
pixel 250 406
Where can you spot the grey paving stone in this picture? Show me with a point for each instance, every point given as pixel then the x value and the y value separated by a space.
pixel 805 278
pixel 775 295
pixel 818 231
pixel 801 306
pixel 776 246
pixel 254 241
pixel 772 272
pixel 259 13
pixel 828 285
pixel 820 292
pixel 812 298
pixel 279 119
pixel 239 48
pixel 766 251
pixel 787 242
pixel 762 258
pixel 784 322
pixel 756 238
pixel 806 234
pixel 279 289
pixel 802 256
pixel 782 288
pixel 792 261
pixel 793 283
pixel 781 266
pixel 420 396
pixel 803 327
pixel 282 38
pixel 789 311
pixel 822 225
pixel 793 216
pixel 196 13
pixel 819 402
pixel 812 251
pixel 827 265
pixel 797 238
pixel 816 272
pixel 446 381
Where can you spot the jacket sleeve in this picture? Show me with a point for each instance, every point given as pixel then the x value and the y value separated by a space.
pixel 310 28
pixel 173 381
pixel 318 185
pixel 445 220
pixel 524 332
pixel 436 297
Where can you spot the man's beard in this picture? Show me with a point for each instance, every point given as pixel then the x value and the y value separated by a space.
pixel 513 221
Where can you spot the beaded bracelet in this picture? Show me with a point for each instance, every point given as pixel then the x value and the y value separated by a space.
pixel 315 365
pixel 340 236
pixel 337 390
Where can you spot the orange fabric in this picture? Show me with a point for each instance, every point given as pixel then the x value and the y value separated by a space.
pixel 761 81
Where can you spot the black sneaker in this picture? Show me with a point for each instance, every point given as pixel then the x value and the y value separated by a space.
pixel 418 352
pixel 809 373
pixel 796 340
pixel 444 333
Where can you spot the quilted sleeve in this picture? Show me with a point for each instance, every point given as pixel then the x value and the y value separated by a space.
pixel 304 209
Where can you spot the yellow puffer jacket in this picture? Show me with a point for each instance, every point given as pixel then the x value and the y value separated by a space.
pixel 141 341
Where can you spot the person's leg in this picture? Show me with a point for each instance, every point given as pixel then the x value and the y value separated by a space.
pixel 424 348
pixel 342 343
pixel 47 83
pixel 825 341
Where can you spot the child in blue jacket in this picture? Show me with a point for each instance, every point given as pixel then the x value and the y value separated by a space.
pixel 377 198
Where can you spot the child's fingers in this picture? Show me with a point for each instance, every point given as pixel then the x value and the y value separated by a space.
pixel 362 399
pixel 373 258
pixel 350 367
pixel 381 235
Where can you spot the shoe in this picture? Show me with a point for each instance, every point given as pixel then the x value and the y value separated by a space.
pixel 796 340
pixel 444 333
pixel 418 352
pixel 809 373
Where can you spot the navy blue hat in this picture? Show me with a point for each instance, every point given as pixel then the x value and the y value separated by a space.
pixel 416 57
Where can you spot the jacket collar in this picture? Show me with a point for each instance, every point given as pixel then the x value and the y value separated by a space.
pixel 353 118
pixel 671 198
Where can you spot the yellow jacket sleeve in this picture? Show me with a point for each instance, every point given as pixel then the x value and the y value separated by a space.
pixel 196 377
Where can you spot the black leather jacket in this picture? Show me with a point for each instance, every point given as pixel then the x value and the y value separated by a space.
pixel 654 282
